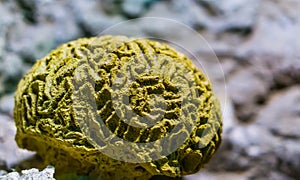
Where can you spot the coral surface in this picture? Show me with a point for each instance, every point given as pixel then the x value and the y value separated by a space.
pixel 118 108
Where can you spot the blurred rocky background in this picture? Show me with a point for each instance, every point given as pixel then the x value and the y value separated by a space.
pixel 255 41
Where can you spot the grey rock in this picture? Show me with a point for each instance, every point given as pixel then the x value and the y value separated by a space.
pixel 3 166
pixel 11 64
pixel 207 175
pixel 281 115
pixel 28 9
pixel 22 43
pixel 2 87
pixel 227 11
pixel 275 31
pixel 242 147
pixel 111 6
pixel 288 153
pixel 281 118
pixel 33 41
pixel 60 19
pixel 273 45
pixel 229 66
pixel 2 40
pixel 8 17
pixel 197 15
pixel 213 15
pixel 187 12
pixel 229 158
pixel 9 151
pixel 11 69
pixel 254 140
pixel 2 172
pixel 133 8
pixel 279 176
pixel 7 104
pixel 30 43
pixel 229 120
pixel 56 25
pixel 246 88
pixel 128 8
pixel 91 18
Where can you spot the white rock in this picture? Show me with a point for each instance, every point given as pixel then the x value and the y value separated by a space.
pixel 46 174
pixel 9 150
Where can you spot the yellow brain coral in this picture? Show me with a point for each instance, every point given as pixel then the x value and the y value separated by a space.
pixel 118 108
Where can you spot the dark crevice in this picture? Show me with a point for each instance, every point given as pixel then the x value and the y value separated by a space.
pixel 86 31
pixel 285 136
pixel 29 10
pixel 243 31
pixel 210 8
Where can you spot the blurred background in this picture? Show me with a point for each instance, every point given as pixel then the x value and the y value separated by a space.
pixel 255 41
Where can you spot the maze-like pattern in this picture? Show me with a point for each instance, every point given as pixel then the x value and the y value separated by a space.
pixel 139 90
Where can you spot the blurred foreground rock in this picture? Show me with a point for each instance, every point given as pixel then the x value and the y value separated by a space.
pixel 46 174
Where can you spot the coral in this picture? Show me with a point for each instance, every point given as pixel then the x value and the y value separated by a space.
pixel 118 108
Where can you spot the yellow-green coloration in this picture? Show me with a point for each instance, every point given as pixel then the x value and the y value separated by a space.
pixel 62 102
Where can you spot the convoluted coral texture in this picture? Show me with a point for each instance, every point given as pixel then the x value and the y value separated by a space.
pixel 118 108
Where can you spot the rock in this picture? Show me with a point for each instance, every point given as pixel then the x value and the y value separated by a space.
pixel 252 140
pixel 206 175
pixel 243 146
pixel 2 172
pixel 25 42
pixel 59 18
pixel 212 25
pixel 11 65
pixel 281 118
pixel 288 153
pixel 246 89
pixel 276 27
pixel 8 17
pixel 7 104
pixel 91 18
pixel 3 165
pixel 226 12
pixel 266 172
pixel 9 151
pixel 229 66
pixel 134 8
pixel 275 51
pixel 33 41
pixel 279 176
pixel 29 8
pixel 213 15
pixel 46 174
pixel 227 112
pixel 128 8
pixel 56 25
pixel 11 69
pixel 111 6
pixel 246 82
pixel 281 115
pixel 187 12
pixel 11 176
